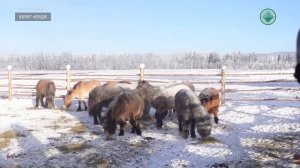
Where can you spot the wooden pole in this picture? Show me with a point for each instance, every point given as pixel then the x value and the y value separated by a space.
pixel 142 75
pixel 68 67
pixel 9 67
pixel 223 82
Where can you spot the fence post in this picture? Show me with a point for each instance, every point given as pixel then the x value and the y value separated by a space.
pixel 9 67
pixel 223 82
pixel 142 75
pixel 68 77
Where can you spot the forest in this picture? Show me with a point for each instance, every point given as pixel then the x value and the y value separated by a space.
pixel 192 60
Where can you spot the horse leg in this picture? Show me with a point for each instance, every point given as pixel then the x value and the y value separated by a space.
pixel 42 101
pixel 133 124
pixel 216 118
pixel 79 105
pixel 37 100
pixel 85 106
pixel 180 120
pixel 138 128
pixel 122 123
pixel 95 116
pixel 192 128
pixel 159 115
pixel 185 129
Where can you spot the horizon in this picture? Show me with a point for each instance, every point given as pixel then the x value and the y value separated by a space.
pixel 142 27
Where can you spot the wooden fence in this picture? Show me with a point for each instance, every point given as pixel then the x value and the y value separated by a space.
pixel 23 83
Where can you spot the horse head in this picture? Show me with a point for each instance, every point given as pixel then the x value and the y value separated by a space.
pixel 68 99
pixel 204 126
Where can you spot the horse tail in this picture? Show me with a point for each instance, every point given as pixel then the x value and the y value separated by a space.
pixel 94 110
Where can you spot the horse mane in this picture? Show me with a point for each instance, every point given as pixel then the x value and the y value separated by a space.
pixel 78 83
pixel 149 91
pixel 124 81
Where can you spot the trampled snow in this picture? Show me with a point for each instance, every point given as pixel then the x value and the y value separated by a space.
pixel 249 134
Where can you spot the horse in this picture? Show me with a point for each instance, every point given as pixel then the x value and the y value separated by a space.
pixel 81 91
pixel 164 92
pixel 297 68
pixel 127 106
pixel 163 106
pixel 190 112
pixel 209 98
pixel 45 88
pixel 101 96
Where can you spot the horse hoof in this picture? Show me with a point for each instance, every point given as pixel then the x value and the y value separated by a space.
pixel 216 120
pixel 139 133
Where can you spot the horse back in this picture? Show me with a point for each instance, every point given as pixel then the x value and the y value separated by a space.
pixel 44 85
pixel 82 88
pixel 126 106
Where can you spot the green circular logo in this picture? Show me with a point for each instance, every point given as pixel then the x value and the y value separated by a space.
pixel 267 16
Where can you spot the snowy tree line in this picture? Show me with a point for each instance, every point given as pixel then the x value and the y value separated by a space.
pixel 193 60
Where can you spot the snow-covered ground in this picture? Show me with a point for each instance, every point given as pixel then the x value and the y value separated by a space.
pixel 250 134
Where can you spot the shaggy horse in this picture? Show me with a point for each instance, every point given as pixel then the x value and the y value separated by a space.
pixel 101 96
pixel 209 98
pixel 161 98
pixel 190 112
pixel 164 106
pixel 45 88
pixel 127 106
pixel 297 68
pixel 81 91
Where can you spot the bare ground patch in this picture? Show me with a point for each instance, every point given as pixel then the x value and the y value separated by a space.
pixel 73 147
pixel 79 128
pixel 5 138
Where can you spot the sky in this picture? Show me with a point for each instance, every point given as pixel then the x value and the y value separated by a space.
pixel 149 26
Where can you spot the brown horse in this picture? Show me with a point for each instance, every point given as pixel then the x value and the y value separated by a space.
pixel 209 98
pixel 127 106
pixel 297 68
pixel 191 113
pixel 101 96
pixel 162 97
pixel 81 91
pixel 45 88
pixel 163 106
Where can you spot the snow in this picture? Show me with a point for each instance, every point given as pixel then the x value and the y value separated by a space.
pixel 250 134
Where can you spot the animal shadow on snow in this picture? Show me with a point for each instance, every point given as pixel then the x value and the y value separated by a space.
pixel 30 149
pixel 278 146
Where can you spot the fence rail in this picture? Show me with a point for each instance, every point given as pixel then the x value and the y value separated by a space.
pixel 23 83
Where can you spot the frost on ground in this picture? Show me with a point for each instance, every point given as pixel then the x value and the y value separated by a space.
pixel 250 134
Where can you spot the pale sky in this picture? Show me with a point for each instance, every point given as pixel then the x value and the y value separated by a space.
pixel 143 26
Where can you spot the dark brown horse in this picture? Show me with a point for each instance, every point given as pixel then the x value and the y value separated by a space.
pixel 127 106
pixel 45 88
pixel 161 97
pixel 101 96
pixel 190 112
pixel 164 106
pixel 209 98
pixel 297 68
pixel 81 91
